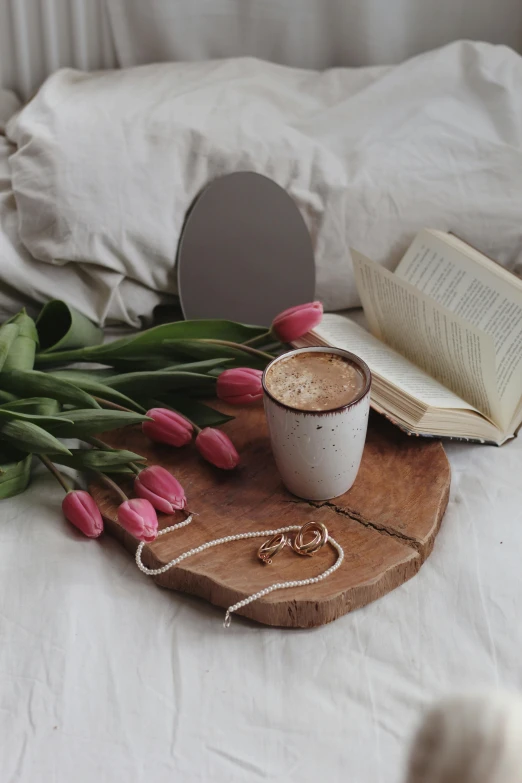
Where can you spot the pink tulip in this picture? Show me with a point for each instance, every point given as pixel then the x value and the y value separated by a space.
pixel 240 386
pixel 80 509
pixel 217 448
pixel 160 487
pixel 168 427
pixel 139 519
pixel 295 322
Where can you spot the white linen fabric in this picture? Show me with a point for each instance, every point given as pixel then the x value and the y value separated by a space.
pixel 108 163
pixel 36 38
pixel 100 294
pixel 106 677
pixel 304 33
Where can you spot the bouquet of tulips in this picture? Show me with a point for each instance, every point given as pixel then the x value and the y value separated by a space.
pixel 156 379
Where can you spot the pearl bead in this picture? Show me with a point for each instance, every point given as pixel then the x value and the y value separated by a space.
pixel 239 537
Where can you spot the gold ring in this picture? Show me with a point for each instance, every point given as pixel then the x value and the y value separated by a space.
pixel 319 538
pixel 271 547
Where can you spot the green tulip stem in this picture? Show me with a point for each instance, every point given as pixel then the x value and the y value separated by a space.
pixel 66 357
pixel 109 404
pixel 112 484
pixel 240 347
pixel 259 340
pixel 56 473
pixel 99 444
pixel 196 428
pixel 273 346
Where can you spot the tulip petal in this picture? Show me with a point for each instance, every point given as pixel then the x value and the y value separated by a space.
pixel 168 427
pixel 295 322
pixel 159 503
pixel 161 488
pixel 81 510
pixel 137 517
pixel 239 386
pixel 217 448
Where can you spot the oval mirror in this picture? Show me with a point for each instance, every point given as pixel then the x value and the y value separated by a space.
pixel 245 252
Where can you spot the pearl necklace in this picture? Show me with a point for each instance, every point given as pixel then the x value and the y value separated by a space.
pixel 240 537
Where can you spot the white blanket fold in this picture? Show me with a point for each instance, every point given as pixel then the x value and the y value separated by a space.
pixel 108 163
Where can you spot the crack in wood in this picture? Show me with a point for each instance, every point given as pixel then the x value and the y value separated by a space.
pixel 405 524
pixel 355 517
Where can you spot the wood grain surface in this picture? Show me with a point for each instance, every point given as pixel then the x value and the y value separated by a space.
pixel 386 523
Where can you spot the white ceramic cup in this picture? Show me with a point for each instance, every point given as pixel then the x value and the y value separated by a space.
pixel 318 453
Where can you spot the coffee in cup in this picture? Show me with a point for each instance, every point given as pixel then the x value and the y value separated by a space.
pixel 317 403
pixel 315 380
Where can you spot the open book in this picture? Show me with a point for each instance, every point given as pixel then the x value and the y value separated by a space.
pixel 445 348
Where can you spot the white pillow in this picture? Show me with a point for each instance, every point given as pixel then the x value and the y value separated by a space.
pixel 108 163
pixel 9 104
pixel 101 295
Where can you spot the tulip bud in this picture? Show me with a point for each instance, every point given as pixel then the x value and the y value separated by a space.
pixel 158 486
pixel 137 517
pixel 217 448
pixel 295 322
pixel 81 510
pixel 240 386
pixel 168 427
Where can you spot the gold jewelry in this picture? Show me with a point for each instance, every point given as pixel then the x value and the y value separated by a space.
pixel 318 540
pixel 269 548
pixel 311 580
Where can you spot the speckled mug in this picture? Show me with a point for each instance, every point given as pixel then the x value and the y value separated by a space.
pixel 318 453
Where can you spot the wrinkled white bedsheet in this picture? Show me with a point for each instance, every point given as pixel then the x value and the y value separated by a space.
pixel 107 164
pixel 102 295
pixel 105 677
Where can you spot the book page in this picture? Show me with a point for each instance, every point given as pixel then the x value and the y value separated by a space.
pixel 455 353
pixel 477 295
pixel 341 332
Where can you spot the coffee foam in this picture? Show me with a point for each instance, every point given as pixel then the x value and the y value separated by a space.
pixel 315 381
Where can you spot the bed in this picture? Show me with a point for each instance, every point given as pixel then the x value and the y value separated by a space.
pixel 106 677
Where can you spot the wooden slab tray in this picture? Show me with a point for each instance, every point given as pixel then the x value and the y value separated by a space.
pixel 386 523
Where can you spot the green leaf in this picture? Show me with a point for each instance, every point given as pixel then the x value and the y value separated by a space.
pixel 96 459
pixel 162 363
pixel 207 364
pixel 11 415
pixel 99 374
pixel 142 363
pixel 200 414
pixel 89 422
pixel 8 334
pixel 145 383
pixel 120 470
pixel 96 388
pixel 152 340
pixel 61 327
pixel 29 437
pixel 9 455
pixel 6 397
pixel 182 330
pixel 199 366
pixel 15 477
pixel 43 406
pixel 22 350
pixel 201 351
pixel 34 383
